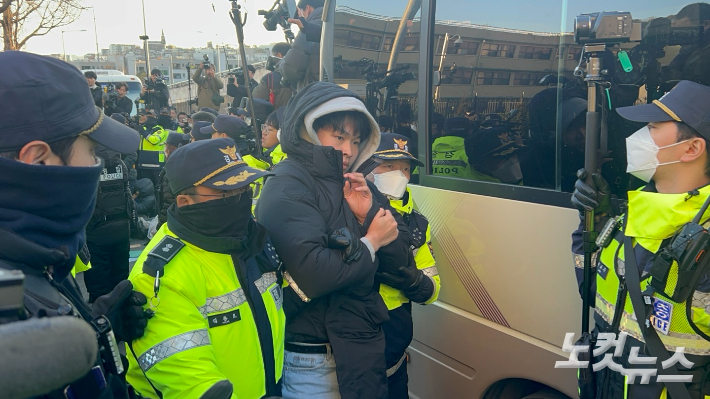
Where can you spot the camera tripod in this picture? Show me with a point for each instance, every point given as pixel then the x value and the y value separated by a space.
pixel 236 15
pixel 597 77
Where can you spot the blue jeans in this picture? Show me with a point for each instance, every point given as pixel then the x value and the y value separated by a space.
pixel 309 375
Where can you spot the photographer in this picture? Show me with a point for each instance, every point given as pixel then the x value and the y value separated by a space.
pixel 118 102
pixel 270 88
pixel 208 86
pixel 155 92
pixel 301 65
pixel 235 84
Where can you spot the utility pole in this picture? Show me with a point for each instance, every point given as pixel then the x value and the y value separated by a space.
pixel 145 43
pixel 96 36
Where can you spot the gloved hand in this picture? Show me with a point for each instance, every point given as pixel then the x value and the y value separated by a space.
pixel 124 309
pixel 403 279
pixel 587 198
pixel 344 239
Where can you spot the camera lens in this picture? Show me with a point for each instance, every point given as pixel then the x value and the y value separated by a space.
pixel 582 27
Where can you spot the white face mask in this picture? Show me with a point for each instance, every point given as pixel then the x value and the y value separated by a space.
pixel 642 154
pixel 393 184
pixel 509 172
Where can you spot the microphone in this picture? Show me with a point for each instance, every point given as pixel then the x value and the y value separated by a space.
pixel 42 355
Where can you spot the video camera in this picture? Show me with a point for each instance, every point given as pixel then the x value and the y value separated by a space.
pixel 110 97
pixel 603 27
pixel 206 62
pixel 237 75
pixel 278 15
pixel 158 84
pixel 272 62
pixel 393 79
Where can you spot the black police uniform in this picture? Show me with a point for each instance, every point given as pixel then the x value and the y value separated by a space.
pixel 108 232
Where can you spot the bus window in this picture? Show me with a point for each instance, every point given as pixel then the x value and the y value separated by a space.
pixel 508 108
pixel 366 36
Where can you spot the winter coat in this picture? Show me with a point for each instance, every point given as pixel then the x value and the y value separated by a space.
pixel 206 88
pixel 301 205
pixel 301 64
pixel 165 198
pixel 97 93
pixel 272 82
pixel 145 201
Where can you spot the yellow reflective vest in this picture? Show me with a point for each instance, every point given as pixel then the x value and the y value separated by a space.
pixel 277 155
pixel 205 329
pixel 423 253
pixel 155 142
pixel 654 217
pixel 258 184
pixel 449 158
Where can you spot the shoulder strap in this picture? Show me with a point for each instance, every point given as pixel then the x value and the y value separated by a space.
pixel 642 308
pixel 161 255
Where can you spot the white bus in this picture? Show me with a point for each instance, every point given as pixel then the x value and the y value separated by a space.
pixel 509 292
pixel 106 76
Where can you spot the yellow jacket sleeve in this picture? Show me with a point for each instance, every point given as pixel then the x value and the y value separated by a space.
pixel 425 261
pixel 158 137
pixel 175 353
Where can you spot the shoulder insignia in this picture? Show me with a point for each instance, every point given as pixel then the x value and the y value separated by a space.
pixel 161 255
pixel 418 225
pixel 271 255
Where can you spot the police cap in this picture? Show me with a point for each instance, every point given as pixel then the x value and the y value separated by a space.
pixel 395 146
pixel 687 102
pixel 211 163
pixel 196 131
pixel 493 142
pixel 43 98
pixel 230 125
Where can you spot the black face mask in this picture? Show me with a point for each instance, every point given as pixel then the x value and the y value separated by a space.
pixel 223 217
pixel 164 120
pixel 151 121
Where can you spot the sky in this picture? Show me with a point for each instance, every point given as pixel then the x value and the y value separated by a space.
pixel 194 23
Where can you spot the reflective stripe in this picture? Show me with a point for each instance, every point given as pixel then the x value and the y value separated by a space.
pixel 224 302
pixel 393 369
pixel 171 346
pixel 693 343
pixel 431 271
pixel 264 282
pixel 450 163
pixel 579 260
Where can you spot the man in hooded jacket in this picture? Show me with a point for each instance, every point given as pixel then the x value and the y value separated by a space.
pixel 327 225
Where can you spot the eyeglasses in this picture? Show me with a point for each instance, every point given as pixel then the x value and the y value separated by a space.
pixel 266 129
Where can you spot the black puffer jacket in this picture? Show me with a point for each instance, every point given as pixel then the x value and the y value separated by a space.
pixel 165 198
pixel 145 201
pixel 301 205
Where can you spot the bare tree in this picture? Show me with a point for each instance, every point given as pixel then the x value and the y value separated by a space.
pixel 25 19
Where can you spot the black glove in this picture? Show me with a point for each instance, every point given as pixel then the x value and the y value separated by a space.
pixel 403 279
pixel 344 239
pixel 124 309
pixel 587 198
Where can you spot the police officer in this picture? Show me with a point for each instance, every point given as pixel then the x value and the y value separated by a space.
pixel 108 231
pixel 49 186
pixel 165 197
pixel 492 155
pixel 418 279
pixel 448 155
pixel 671 155
pixel 235 128
pixel 151 153
pixel 213 276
